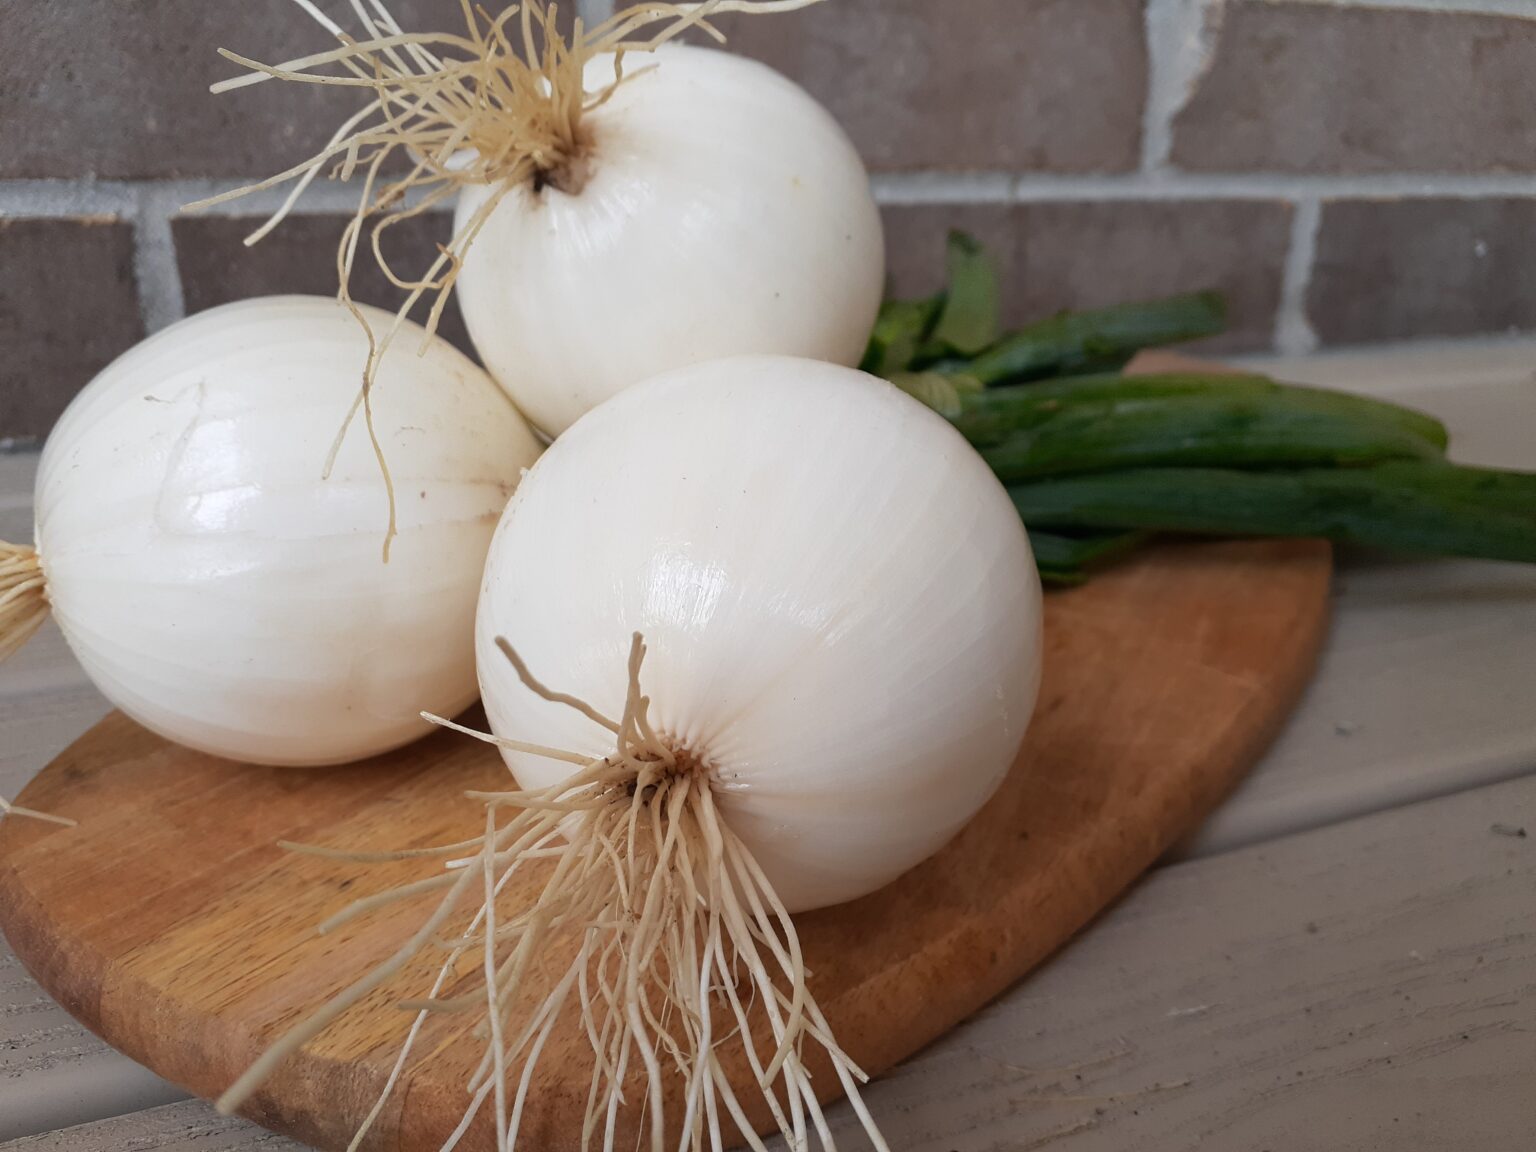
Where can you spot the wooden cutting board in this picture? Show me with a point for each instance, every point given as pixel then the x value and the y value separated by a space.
pixel 170 923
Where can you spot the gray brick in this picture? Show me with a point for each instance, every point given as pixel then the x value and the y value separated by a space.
pixel 1321 89
pixel 120 90
pixel 300 256
pixel 68 307
pixel 1032 85
pixel 1406 269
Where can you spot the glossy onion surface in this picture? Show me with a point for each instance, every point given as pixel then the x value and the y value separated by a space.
pixel 724 212
pixel 840 604
pixel 223 592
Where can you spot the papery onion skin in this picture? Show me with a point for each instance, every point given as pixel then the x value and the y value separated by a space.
pixel 840 605
pixel 224 593
pixel 723 212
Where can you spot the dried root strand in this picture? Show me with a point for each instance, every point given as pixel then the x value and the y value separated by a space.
pixel 23 608
pixel 677 944
pixel 33 814
pixel 500 104
pixel 23 597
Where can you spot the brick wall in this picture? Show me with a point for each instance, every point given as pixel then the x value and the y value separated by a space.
pixel 1346 171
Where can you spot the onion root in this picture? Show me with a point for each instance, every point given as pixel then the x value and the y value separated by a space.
pixel 677 945
pixel 23 597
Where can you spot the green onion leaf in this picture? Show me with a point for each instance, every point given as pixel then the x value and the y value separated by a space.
pixel 969 321
pixel 1418 507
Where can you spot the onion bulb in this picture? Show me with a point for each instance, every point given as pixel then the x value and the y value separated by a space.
pixel 221 582
pixel 837 595
pixel 841 623
pixel 613 220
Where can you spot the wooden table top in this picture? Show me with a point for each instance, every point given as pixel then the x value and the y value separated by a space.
pixel 1341 958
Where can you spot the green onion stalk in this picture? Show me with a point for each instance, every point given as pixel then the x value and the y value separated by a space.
pixel 1098 462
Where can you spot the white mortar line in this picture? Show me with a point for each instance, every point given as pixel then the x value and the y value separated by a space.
pixel 594 11
pixel 52 198
pixel 55 198
pixel 1520 8
pixel 323 197
pixel 1294 334
pixel 154 260
pixel 1180 47
pixel 1000 187
pixel 75 198
pixel 942 187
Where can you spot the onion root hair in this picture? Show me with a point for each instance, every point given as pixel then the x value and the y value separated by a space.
pixel 670 944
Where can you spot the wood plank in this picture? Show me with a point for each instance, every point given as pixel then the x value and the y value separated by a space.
pixel 46 662
pixel 17 470
pixel 36 726
pixel 54 1073
pixel 16 473
pixel 1366 985
pixel 187 1127
pixel 1424 689
pixel 1394 369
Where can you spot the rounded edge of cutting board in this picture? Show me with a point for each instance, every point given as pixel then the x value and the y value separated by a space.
pixel 171 925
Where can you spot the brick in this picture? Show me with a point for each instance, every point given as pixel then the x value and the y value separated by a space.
pixel 1403 269
pixel 1017 85
pixel 1057 255
pixel 68 307
pixel 300 256
pixel 120 91
pixel 1316 88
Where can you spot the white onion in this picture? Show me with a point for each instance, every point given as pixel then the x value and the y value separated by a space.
pixel 612 221
pixel 839 600
pixel 723 212
pixel 221 590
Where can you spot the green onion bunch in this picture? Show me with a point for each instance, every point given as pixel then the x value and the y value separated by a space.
pixel 1097 462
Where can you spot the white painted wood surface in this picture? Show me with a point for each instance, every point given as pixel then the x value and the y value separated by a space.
pixel 1428 684
pixel 188 1127
pixel 1370 985
pixel 1425 691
